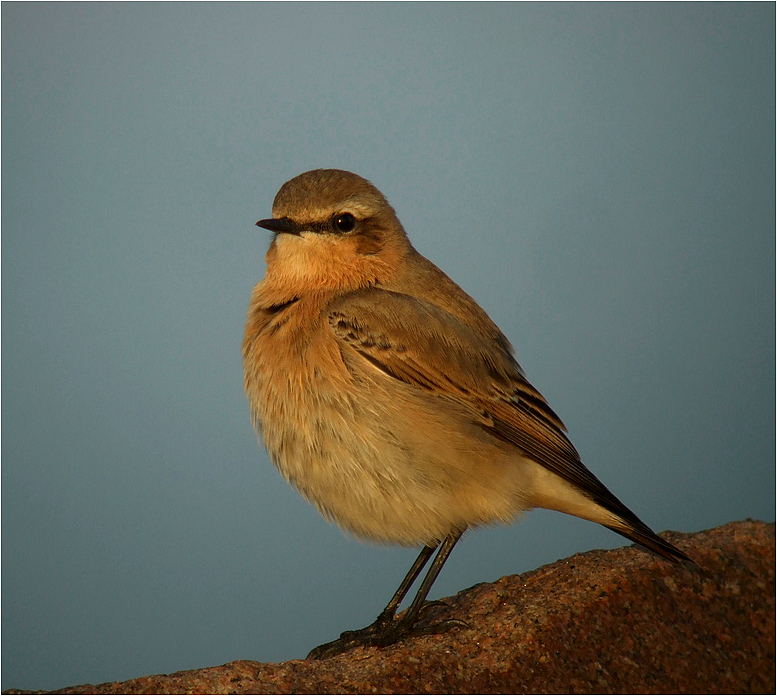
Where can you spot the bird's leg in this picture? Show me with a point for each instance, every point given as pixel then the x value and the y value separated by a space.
pixel 351 639
pixel 387 615
pixel 385 630
pixel 400 628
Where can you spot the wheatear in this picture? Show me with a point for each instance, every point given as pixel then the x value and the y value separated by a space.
pixel 389 398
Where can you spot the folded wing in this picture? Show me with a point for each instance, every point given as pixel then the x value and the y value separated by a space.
pixel 422 345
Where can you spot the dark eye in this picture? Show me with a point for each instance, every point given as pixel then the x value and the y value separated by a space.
pixel 345 222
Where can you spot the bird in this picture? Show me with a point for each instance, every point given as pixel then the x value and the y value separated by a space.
pixel 391 401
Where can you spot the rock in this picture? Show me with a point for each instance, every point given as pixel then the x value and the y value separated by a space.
pixel 620 621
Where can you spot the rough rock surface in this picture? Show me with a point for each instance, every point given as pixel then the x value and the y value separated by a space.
pixel 618 621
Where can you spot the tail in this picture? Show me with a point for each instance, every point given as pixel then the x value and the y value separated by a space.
pixel 637 531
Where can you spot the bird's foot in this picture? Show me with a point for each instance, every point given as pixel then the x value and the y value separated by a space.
pixel 386 630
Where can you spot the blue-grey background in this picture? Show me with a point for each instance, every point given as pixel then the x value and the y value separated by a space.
pixel 600 177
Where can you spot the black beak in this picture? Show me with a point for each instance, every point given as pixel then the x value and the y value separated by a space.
pixel 279 225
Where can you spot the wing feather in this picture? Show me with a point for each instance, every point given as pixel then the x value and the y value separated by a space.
pixel 422 345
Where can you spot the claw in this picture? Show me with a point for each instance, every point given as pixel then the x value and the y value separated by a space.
pixel 440 627
pixel 433 604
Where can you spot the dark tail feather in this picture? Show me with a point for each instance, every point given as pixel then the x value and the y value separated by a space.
pixel 646 538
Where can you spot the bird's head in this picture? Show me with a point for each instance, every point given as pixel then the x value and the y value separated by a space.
pixel 333 230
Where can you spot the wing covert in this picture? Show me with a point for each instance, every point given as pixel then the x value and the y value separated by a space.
pixel 421 344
